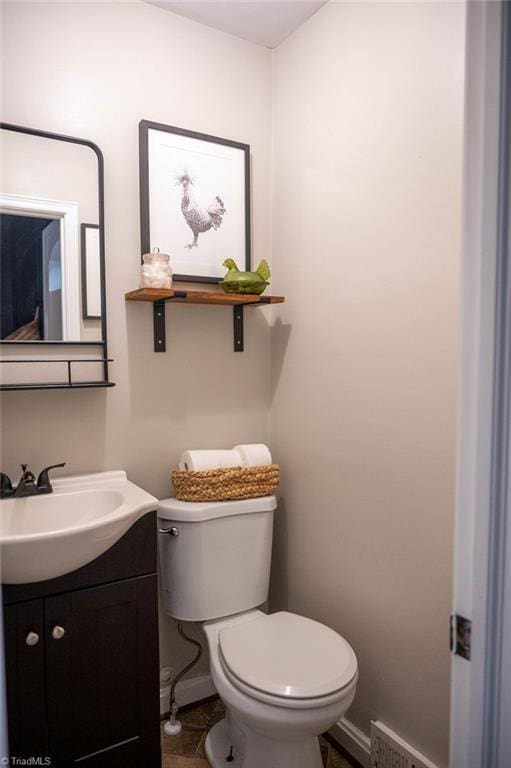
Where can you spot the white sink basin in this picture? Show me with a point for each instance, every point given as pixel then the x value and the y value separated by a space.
pixel 42 537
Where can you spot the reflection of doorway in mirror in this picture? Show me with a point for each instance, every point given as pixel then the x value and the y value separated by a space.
pixel 52 281
pixel 57 312
pixel 22 277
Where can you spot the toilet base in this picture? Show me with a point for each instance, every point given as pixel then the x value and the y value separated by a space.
pixel 252 750
pixel 218 747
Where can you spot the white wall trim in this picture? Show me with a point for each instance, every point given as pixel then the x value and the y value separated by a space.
pixel 187 691
pixel 353 740
pixel 478 735
pixel 67 212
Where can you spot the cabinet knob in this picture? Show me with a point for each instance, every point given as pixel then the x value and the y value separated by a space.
pixel 58 632
pixel 32 638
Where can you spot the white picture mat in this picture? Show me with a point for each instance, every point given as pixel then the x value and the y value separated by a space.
pixel 92 272
pixel 216 170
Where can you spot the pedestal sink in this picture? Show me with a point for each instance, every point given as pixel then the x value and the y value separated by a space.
pixel 42 537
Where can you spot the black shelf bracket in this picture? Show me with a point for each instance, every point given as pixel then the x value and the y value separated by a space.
pixel 159 326
pixel 238 317
pixel 238 320
pixel 160 341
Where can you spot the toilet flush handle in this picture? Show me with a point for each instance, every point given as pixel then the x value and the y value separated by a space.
pixel 170 531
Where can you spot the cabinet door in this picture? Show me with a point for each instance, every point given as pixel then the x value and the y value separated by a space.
pixel 25 683
pixel 102 675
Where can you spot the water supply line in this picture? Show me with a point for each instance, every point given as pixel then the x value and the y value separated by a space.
pixel 172 727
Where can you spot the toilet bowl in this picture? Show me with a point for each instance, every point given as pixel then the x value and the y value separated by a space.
pixel 283 678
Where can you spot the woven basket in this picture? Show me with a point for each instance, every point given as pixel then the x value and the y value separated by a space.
pixel 226 484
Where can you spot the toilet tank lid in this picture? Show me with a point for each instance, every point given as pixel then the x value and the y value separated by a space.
pixel 197 511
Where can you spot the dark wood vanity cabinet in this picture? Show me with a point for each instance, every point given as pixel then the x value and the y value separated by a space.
pixel 82 660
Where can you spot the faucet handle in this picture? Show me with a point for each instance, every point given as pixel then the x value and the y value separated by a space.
pixel 43 481
pixel 6 488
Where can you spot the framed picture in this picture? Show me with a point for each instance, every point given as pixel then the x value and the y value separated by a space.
pixel 91 271
pixel 194 200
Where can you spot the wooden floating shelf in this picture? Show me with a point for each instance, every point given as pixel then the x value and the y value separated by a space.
pixel 201 297
pixel 238 301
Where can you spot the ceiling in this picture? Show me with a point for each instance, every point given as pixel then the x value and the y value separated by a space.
pixel 266 22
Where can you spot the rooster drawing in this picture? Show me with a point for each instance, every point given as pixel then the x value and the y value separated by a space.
pixel 198 219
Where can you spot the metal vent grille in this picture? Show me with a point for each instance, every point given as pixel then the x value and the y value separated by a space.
pixel 388 750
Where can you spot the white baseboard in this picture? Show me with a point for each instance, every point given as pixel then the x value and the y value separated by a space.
pixel 353 740
pixel 187 691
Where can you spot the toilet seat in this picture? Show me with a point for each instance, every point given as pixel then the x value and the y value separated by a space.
pixel 286 657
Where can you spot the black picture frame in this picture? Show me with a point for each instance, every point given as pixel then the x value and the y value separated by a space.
pixel 83 255
pixel 243 260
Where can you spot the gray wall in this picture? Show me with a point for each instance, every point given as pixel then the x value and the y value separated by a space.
pixel 367 132
pixel 94 70
pixel 366 240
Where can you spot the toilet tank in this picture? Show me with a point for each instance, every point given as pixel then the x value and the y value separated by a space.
pixel 218 564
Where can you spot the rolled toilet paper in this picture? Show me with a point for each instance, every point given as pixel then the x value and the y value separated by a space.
pixel 199 461
pixel 254 454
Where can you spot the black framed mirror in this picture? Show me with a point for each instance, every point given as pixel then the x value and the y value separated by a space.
pixel 53 321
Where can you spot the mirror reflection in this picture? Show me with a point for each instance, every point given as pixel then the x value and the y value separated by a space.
pixel 50 261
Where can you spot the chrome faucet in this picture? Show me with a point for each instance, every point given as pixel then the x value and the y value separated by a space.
pixel 27 485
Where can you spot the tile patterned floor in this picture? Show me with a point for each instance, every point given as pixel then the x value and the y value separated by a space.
pixel 187 749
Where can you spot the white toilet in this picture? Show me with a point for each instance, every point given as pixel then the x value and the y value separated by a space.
pixel 283 678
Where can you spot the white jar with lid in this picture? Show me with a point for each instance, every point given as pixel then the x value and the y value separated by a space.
pixel 156 271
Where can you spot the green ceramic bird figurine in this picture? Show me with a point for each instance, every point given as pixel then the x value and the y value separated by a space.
pixel 245 282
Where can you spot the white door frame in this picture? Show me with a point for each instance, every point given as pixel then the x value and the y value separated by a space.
pixel 67 213
pixel 481 704
pixel 48 238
